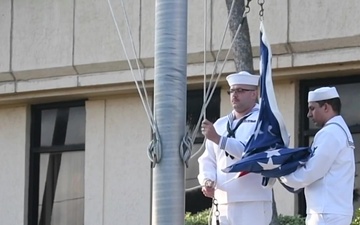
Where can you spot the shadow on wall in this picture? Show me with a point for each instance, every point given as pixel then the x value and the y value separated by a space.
pixel 195 201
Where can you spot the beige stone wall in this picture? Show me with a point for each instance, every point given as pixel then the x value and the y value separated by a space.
pixel 14 160
pixel 117 169
pixel 287 100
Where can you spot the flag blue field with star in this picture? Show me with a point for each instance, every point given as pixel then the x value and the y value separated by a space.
pixel 267 150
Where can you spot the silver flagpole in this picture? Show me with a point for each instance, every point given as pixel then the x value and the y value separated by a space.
pixel 168 192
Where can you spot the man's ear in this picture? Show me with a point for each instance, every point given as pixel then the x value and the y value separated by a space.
pixel 255 94
pixel 327 107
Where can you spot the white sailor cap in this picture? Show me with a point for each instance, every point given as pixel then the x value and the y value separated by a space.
pixel 242 77
pixel 322 93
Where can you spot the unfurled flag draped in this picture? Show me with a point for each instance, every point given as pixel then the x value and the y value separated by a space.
pixel 267 150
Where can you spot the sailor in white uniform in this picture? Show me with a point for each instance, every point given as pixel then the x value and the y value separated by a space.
pixel 241 201
pixel 328 176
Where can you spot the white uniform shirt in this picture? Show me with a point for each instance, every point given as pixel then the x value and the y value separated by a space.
pixel 328 176
pixel 213 160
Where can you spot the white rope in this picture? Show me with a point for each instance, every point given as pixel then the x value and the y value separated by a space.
pixel 211 87
pixel 144 102
pixel 205 38
pixel 209 93
pixel 193 136
pixel 220 47
pixel 199 150
pixel 228 52
pixel 225 60
pixel 137 63
pixel 154 149
pixel 185 149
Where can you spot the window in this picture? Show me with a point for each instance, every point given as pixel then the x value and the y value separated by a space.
pixel 56 184
pixel 348 90
pixel 194 105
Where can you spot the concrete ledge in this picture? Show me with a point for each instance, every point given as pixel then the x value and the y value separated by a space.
pixel 327 57
pixel 7 87
pixel 325 44
pixel 44 73
pixel 6 77
pixel 106 78
pixel 80 86
pixel 108 66
pixel 287 66
pixel 47 84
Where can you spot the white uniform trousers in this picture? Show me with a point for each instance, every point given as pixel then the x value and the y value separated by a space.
pixel 328 219
pixel 244 213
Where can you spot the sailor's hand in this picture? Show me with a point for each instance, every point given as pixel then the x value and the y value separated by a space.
pixel 208 130
pixel 209 188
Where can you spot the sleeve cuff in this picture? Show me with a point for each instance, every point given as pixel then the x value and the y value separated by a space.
pixel 223 141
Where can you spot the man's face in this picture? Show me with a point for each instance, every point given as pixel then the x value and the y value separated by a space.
pixel 242 97
pixel 316 113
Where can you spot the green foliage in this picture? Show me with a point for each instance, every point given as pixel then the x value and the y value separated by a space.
pixel 356 220
pixel 291 220
pixel 200 218
pixel 297 220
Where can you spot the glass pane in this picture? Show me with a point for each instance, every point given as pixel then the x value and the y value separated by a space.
pixel 193 170
pixel 68 203
pixel 75 133
pixel 311 139
pixel 44 162
pixel 348 109
pixel 194 105
pixel 68 212
pixel 48 118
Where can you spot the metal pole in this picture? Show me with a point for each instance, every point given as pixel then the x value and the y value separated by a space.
pixel 168 192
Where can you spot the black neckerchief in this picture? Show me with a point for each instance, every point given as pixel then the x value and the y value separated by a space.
pixel 231 132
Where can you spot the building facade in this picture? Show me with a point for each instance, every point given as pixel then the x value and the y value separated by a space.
pixel 71 117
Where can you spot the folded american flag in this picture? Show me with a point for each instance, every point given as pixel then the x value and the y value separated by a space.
pixel 267 150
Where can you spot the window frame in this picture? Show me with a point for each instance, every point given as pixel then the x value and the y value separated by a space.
pixel 36 150
pixel 215 102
